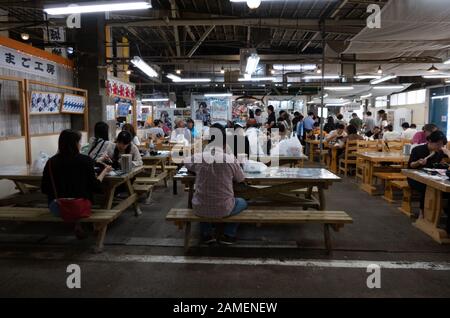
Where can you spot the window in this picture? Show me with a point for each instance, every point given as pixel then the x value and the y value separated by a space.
pixel 409 98
pixel 394 100
pixel 402 99
pixel 381 101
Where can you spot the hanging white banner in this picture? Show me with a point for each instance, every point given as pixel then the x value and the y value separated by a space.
pixel 21 62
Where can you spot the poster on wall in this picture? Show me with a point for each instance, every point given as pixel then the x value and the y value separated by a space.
pixel 45 103
pixel 210 109
pixel 73 104
pixel 110 112
pixel 166 115
pixel 123 109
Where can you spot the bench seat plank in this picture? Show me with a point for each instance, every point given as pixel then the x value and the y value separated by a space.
pixel 334 219
pixel 266 216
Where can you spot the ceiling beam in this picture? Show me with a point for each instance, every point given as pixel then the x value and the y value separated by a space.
pixel 174 8
pixel 255 22
pixel 200 41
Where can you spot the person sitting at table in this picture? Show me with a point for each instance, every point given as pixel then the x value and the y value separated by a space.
pixel 123 145
pixel 426 156
pixel 132 131
pixel 216 172
pixel 375 133
pixel 156 130
pixel 315 132
pixel 100 142
pixel 391 135
pixel 73 174
pixel 421 136
pixel 351 135
pixel 408 131
pixel 336 135
pixel 330 125
pixel 191 126
pixel 255 138
pixel 180 133
pixel 239 142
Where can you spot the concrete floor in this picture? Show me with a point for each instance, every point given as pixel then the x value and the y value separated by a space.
pixel 144 257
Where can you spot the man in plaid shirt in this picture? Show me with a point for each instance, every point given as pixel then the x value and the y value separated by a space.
pixel 216 170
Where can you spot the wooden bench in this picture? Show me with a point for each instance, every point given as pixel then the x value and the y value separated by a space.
pixel 335 219
pixel 146 189
pixel 152 180
pixel 407 195
pixel 386 178
pixel 99 218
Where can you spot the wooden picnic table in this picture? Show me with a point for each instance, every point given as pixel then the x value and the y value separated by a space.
pixel 436 185
pixel 373 158
pixel 22 176
pixel 279 187
pixel 292 161
pixel 312 144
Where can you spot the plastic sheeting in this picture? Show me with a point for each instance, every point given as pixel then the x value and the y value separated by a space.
pixel 407 26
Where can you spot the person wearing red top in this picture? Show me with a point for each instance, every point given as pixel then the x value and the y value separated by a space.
pixel 421 136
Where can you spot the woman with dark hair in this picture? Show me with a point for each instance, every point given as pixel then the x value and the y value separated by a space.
pixel 124 146
pixel 100 142
pixel 330 125
pixel 73 174
pixel 132 131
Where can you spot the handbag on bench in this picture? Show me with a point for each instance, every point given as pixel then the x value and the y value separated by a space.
pixel 69 209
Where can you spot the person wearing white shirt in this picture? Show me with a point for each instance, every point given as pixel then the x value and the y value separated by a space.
pixel 132 131
pixel 390 134
pixel 255 138
pixel 408 131
pixel 179 131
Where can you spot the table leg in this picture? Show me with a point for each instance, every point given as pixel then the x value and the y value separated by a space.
pixel 368 178
pixel 191 195
pixel 333 159
pixel 175 187
pixel 137 208
pixel 322 201
pixel 163 168
pixel 109 198
pixel 432 213
pixel 22 187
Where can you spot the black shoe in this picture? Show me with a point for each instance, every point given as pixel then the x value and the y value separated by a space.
pixel 227 240
pixel 208 239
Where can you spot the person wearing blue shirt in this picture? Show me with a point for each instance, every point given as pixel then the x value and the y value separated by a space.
pixel 309 122
pixel 192 129
pixel 300 127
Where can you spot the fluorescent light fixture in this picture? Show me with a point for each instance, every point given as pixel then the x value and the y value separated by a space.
pixel 338 88
pixel 440 97
pixel 383 79
pixel 389 87
pixel 155 100
pixel 294 67
pixel 337 104
pixel 144 67
pixel 99 7
pixel 366 96
pixel 363 77
pixel 178 79
pixel 252 64
pixel 447 61
pixel 218 95
pixel 437 76
pixel 257 79
pixel 318 77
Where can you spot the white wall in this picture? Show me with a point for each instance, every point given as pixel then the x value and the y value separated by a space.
pixel 13 154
